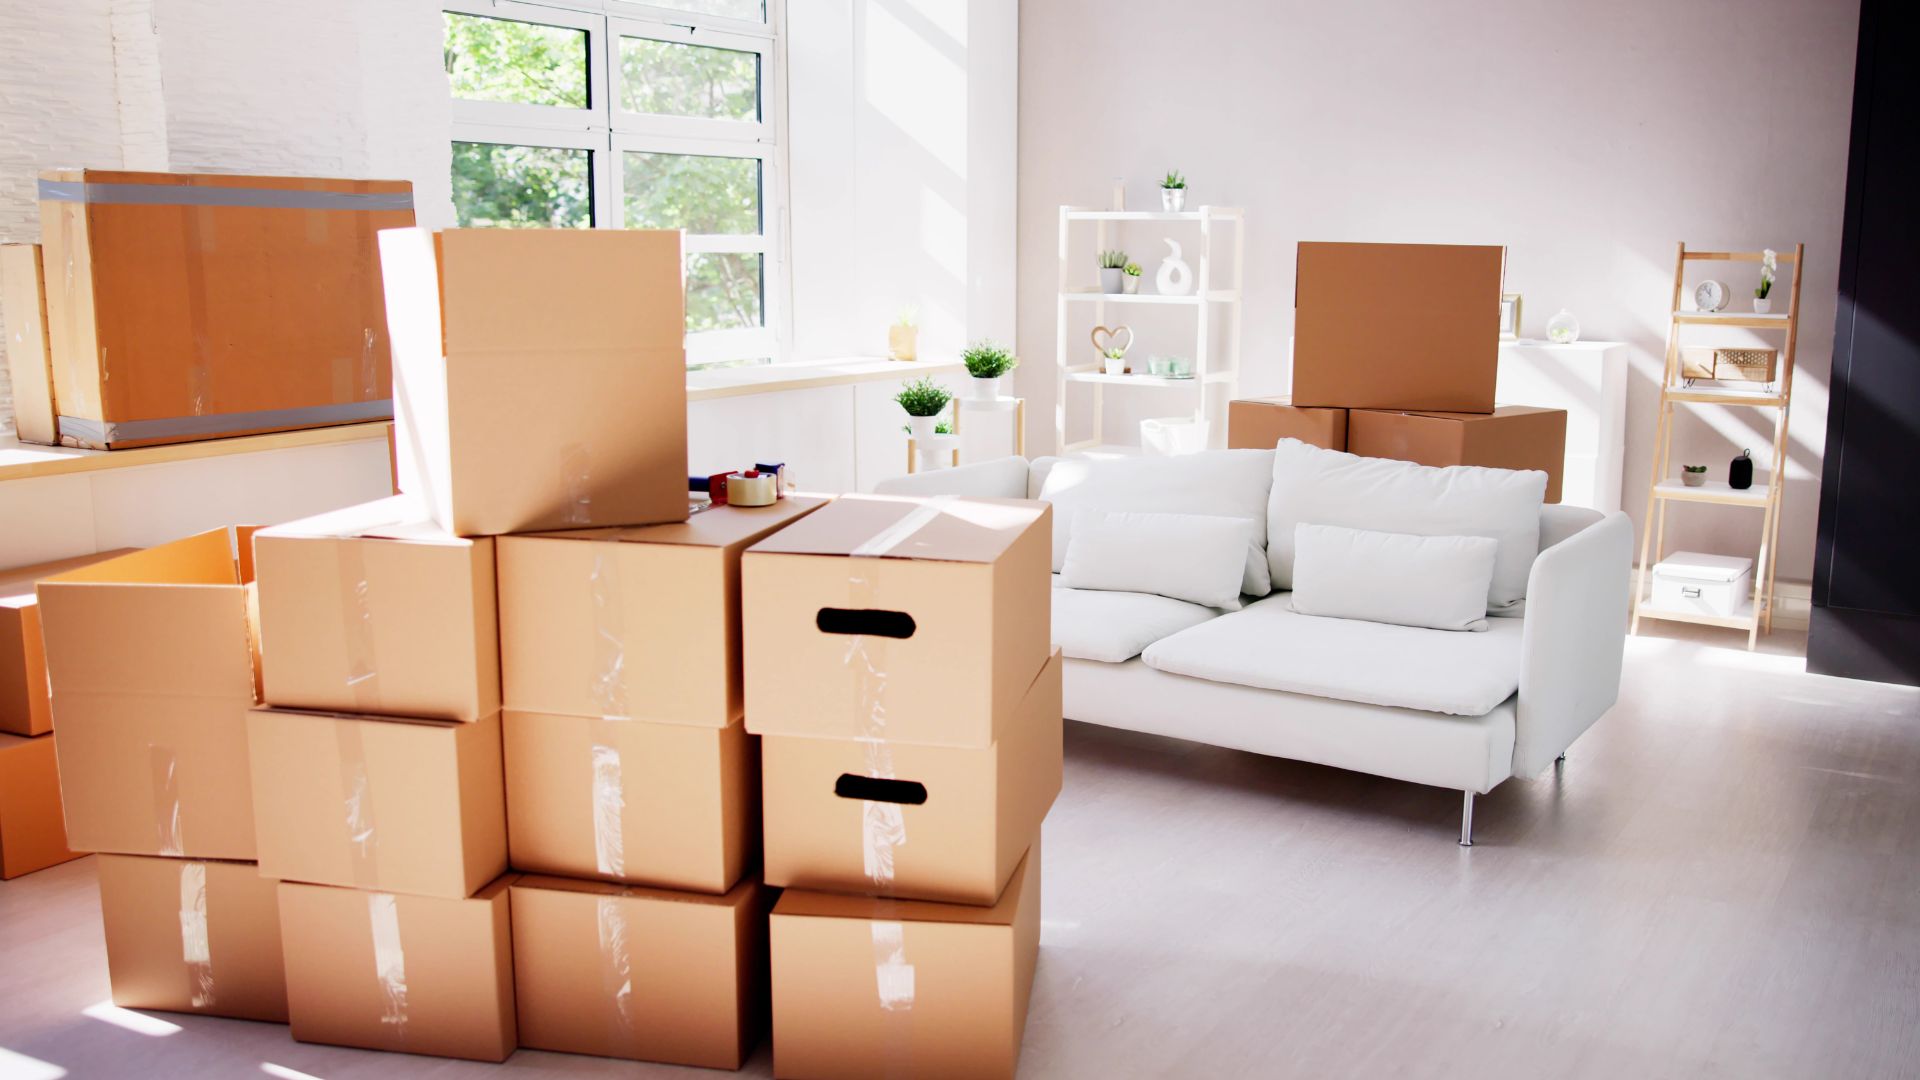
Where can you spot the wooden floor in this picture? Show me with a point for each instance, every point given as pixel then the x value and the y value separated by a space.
pixel 1723 882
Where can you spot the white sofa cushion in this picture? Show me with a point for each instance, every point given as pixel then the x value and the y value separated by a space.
pixel 1191 557
pixel 1114 626
pixel 1273 647
pixel 1326 487
pixel 1223 483
pixel 1439 582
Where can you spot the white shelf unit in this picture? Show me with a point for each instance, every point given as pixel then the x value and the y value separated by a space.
pixel 1210 368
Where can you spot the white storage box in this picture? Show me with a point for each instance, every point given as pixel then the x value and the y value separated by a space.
pixel 1174 435
pixel 1703 584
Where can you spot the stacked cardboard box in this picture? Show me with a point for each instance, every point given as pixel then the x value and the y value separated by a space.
pixel 150 661
pixel 1418 385
pixel 900 676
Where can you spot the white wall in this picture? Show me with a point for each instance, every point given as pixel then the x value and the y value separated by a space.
pixel 1589 138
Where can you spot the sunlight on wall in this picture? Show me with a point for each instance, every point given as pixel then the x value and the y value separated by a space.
pixel 916 85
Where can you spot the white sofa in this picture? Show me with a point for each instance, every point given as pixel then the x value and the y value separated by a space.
pixel 1450 709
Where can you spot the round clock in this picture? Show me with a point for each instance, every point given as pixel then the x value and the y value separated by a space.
pixel 1710 295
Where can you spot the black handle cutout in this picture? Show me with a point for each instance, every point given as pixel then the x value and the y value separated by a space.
pixel 873 789
pixel 873 622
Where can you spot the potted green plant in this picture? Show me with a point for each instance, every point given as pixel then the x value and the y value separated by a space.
pixel 987 361
pixel 903 337
pixel 924 400
pixel 1113 266
pixel 1762 300
pixel 1693 475
pixel 1173 192
pixel 1130 278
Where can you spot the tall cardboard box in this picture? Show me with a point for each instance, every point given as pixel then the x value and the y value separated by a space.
pixel 25 706
pixel 187 306
pixel 672 805
pixel 909 620
pixel 192 935
pixel 32 834
pixel 151 663
pixel 1510 437
pixel 638 973
pixel 413 806
pixel 540 376
pixel 884 988
pixel 1259 423
pixel 639 622
pixel 1396 326
pixel 389 971
pixel 23 309
pixel 375 609
pixel 937 823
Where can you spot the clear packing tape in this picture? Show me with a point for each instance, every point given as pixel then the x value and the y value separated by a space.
pixel 356 804
pixel 196 944
pixel 389 963
pixel 608 690
pixel 164 767
pixel 616 971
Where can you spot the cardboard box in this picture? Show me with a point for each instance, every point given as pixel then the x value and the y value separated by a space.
pixel 186 935
pixel 921 822
pixel 670 805
pixel 885 988
pixel 540 376
pixel 33 836
pixel 639 973
pixel 1259 423
pixel 1510 437
pixel 25 707
pixel 375 609
pixel 23 309
pixel 1397 326
pixel 388 971
pixel 641 622
pixel 150 660
pixel 184 306
pixel 411 806
pixel 911 620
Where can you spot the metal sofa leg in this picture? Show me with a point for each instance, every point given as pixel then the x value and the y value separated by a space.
pixel 1466 819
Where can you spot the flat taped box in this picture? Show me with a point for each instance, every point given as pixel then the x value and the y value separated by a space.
pixel 1510 437
pixel 150 659
pixel 33 836
pixel 935 823
pixel 540 376
pixel 640 622
pixel 673 805
pixel 1397 326
pixel 187 306
pixel 23 309
pixel 26 708
pixel 193 936
pixel 1259 423
pixel 885 988
pixel 638 973
pixel 909 620
pixel 375 609
pixel 413 806
pixel 388 971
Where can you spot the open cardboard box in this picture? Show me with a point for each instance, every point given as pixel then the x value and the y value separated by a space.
pixel 194 936
pixel 26 708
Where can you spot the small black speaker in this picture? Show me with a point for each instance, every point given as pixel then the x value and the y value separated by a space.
pixel 1740 473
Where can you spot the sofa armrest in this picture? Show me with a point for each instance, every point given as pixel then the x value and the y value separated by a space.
pixel 1001 478
pixel 1574 641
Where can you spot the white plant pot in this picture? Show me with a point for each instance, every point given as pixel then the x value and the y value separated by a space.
pixel 1110 279
pixel 1130 284
pixel 921 428
pixel 985 389
pixel 1173 200
pixel 1762 305
pixel 1115 367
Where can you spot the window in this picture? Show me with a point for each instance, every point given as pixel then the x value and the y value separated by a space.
pixel 608 114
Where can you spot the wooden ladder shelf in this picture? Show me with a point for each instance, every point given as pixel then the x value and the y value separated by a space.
pixel 1666 491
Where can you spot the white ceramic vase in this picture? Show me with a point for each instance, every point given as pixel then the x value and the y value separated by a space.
pixel 1175 277
pixel 1130 284
pixel 1116 367
pixel 1110 279
pixel 922 429
pixel 1173 200
pixel 1762 305
pixel 985 389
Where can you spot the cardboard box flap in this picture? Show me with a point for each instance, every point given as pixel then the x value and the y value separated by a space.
pixel 807 903
pixel 720 527
pixel 397 517
pixel 331 714
pixel 17 584
pixel 210 558
pixel 1499 412
pixel 503 290
pixel 943 528
pixel 728 899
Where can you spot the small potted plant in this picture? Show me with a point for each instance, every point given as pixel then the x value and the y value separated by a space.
pixel 1693 475
pixel 1116 361
pixel 987 362
pixel 1113 265
pixel 1130 279
pixel 1173 192
pixel 924 400
pixel 903 337
pixel 1762 298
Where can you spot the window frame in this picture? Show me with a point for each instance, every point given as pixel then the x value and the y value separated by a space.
pixel 608 132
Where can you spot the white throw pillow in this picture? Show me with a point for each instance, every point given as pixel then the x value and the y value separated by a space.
pixel 1327 487
pixel 1219 483
pixel 1189 557
pixel 1439 582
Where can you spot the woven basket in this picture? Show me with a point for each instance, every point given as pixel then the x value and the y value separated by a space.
pixel 1729 365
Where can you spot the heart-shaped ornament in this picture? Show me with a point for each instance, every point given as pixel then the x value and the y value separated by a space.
pixel 1109 336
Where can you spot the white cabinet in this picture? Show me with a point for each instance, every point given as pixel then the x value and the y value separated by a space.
pixel 1589 380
